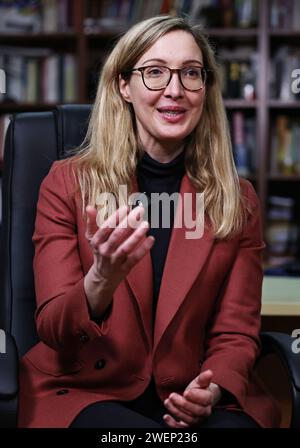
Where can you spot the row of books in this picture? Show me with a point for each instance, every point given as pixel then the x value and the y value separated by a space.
pixel 36 16
pixel 284 71
pixel 285 145
pixel 208 13
pixel 38 75
pixel 226 13
pixel 239 68
pixel 285 14
pixel 238 72
pixel 283 229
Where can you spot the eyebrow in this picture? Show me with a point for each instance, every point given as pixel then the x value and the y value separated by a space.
pixel 189 61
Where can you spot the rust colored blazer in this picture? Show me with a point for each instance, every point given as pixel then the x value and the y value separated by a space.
pixel 208 316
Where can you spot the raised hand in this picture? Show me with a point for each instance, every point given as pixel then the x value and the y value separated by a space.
pixel 118 244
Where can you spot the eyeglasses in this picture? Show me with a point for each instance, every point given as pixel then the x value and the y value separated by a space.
pixel 157 77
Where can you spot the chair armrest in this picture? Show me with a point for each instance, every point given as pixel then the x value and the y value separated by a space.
pixel 281 344
pixel 9 384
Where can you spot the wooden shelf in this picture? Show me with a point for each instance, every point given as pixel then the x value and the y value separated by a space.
pixel 108 33
pixel 22 107
pixel 283 33
pixel 279 104
pixel 232 32
pixel 240 104
pixel 25 39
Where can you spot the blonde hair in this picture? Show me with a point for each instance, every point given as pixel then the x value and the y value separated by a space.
pixel 110 151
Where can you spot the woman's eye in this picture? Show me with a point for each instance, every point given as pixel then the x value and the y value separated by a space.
pixel 155 71
pixel 192 73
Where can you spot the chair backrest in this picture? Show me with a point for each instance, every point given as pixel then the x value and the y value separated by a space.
pixel 34 140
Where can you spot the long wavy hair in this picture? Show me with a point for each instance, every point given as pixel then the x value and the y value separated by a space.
pixel 110 152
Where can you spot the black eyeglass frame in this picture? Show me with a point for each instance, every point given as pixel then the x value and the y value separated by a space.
pixel 171 71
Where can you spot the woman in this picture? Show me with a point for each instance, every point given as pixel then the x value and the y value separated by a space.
pixel 141 325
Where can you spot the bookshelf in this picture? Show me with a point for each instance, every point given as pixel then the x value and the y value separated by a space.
pixel 91 27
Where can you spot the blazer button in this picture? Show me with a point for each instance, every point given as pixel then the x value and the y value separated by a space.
pixel 84 338
pixel 62 392
pixel 100 364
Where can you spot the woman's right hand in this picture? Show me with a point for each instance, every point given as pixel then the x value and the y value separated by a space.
pixel 118 244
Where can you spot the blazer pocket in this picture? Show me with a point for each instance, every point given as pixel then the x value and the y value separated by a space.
pixel 51 362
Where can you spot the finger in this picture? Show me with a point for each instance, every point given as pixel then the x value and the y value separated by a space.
pixel 179 413
pixel 176 401
pixel 199 396
pixel 134 218
pixel 132 241
pixel 121 232
pixel 91 224
pixel 204 379
pixel 109 225
pixel 139 253
pixel 115 218
pixel 170 421
pixel 195 408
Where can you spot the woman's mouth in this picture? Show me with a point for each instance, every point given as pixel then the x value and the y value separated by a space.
pixel 172 114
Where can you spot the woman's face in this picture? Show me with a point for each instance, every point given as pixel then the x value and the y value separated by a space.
pixel 166 117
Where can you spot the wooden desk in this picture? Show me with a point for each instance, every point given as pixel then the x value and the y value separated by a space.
pixel 281 296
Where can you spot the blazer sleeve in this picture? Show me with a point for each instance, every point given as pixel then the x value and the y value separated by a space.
pixel 62 314
pixel 233 343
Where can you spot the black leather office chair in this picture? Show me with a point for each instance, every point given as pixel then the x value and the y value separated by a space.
pixel 34 141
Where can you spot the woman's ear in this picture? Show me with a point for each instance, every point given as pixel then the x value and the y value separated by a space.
pixel 124 89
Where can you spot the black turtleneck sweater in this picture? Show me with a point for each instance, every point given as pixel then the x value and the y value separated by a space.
pixel 157 177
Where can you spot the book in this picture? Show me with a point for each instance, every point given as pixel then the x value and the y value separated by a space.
pixel 240 150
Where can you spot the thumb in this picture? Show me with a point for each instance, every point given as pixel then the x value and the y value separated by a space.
pixel 204 379
pixel 91 223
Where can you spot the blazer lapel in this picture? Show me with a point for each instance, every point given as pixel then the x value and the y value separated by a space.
pixel 185 259
pixel 140 281
pixel 141 284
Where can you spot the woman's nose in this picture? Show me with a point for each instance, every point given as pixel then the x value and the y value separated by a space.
pixel 174 89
